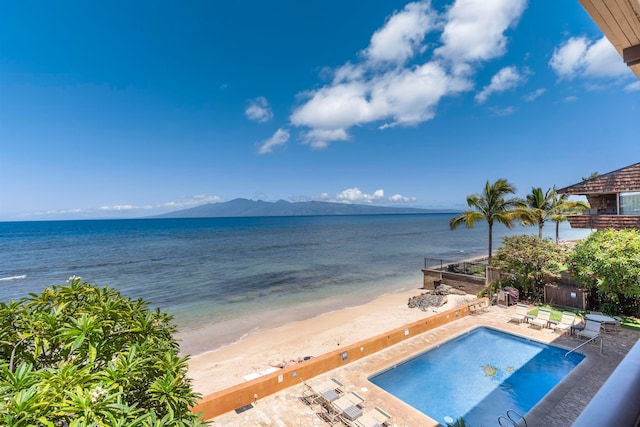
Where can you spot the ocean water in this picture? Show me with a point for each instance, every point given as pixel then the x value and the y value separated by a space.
pixel 222 278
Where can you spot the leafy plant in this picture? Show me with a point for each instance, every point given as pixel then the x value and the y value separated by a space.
pixel 531 260
pixel 81 355
pixel 459 422
pixel 608 263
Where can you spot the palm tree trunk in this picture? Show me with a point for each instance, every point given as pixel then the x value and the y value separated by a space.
pixel 557 232
pixel 540 224
pixel 490 238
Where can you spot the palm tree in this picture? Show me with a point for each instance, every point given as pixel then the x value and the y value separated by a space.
pixel 539 208
pixel 561 208
pixel 490 206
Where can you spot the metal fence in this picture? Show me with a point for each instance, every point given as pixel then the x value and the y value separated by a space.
pixel 471 268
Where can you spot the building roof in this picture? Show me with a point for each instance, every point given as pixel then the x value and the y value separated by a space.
pixel 624 179
pixel 619 20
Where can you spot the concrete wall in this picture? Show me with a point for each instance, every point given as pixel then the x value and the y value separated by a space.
pixel 616 403
pixel 469 284
pixel 243 394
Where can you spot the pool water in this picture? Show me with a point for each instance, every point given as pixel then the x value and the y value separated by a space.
pixel 479 376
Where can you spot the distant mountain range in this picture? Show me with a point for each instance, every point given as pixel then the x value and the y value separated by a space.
pixel 245 207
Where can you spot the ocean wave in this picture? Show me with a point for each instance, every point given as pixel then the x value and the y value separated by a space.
pixel 17 277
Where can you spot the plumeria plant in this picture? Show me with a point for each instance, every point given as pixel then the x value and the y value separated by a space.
pixel 80 355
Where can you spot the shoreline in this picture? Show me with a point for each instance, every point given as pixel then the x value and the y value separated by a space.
pixel 267 349
pixel 215 336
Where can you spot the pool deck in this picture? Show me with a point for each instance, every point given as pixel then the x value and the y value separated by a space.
pixel 559 408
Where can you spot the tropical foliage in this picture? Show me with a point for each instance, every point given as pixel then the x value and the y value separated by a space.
pixel 608 263
pixel 459 422
pixel 531 260
pixel 543 206
pixel 492 205
pixel 562 207
pixel 539 208
pixel 80 355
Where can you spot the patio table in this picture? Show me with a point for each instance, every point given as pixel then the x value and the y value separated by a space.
pixel 600 318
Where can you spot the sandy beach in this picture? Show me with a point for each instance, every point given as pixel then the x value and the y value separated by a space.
pixel 227 366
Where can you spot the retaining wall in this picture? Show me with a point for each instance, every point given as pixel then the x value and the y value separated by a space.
pixel 464 282
pixel 243 394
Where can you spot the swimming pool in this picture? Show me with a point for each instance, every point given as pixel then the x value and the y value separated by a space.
pixel 479 376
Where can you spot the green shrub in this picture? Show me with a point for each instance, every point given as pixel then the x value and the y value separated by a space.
pixel 531 260
pixel 80 355
pixel 608 263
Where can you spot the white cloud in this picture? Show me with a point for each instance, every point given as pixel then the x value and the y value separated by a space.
pixel 505 79
pixel 409 96
pixel 402 35
pixel 55 212
pixel 121 208
pixel 400 198
pixel 280 137
pixel 632 87
pixel 351 195
pixel 195 200
pixel 334 107
pixel 125 210
pixel 567 57
pixel 581 57
pixel 320 138
pixel 386 89
pixel 259 110
pixel 603 60
pixel 501 112
pixel 354 195
pixel 403 97
pixel 534 95
pixel 474 30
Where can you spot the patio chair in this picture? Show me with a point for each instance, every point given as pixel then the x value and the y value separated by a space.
pixel 542 320
pixel 612 326
pixel 324 392
pixel 372 418
pixel 566 322
pixel 591 329
pixel 520 314
pixel 347 408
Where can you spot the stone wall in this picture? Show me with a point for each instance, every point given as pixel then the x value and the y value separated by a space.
pixel 464 282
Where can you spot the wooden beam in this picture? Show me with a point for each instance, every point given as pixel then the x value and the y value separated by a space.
pixel 629 22
pixel 631 55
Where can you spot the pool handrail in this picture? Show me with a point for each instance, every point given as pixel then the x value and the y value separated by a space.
pixel 584 343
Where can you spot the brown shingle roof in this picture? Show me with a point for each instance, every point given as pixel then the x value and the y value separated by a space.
pixel 624 179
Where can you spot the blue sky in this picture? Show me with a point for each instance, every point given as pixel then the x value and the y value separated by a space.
pixel 129 109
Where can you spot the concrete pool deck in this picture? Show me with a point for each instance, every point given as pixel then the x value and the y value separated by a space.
pixel 559 408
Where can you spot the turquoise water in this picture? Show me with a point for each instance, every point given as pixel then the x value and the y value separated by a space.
pixel 224 277
pixel 479 376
